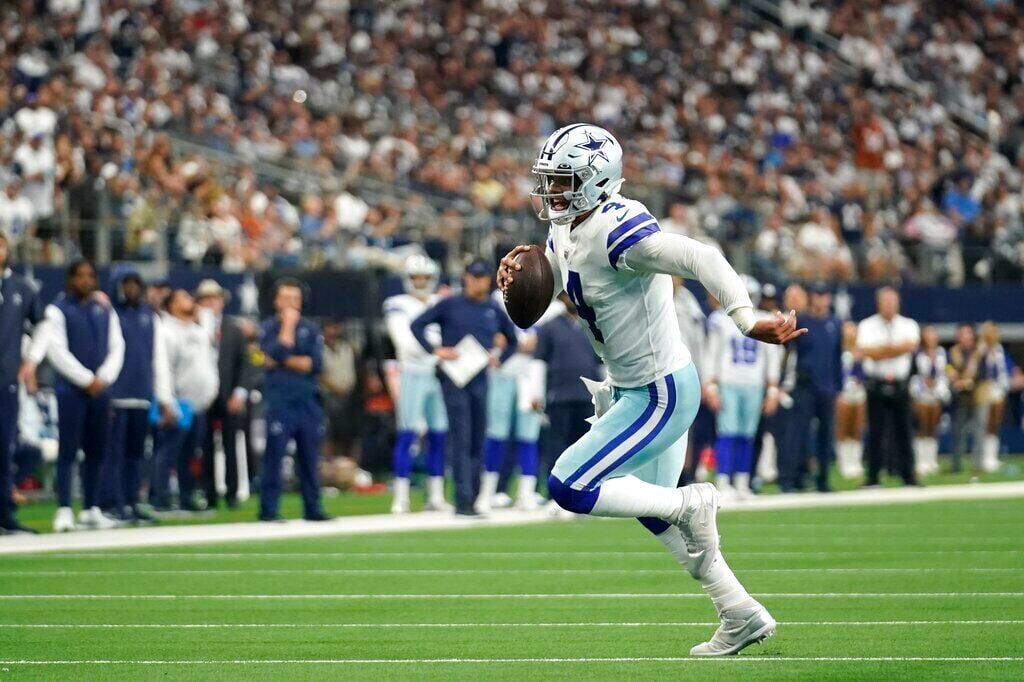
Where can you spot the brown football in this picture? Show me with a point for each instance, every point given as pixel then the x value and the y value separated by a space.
pixel 530 293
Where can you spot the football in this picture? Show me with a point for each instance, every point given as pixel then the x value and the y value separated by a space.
pixel 529 294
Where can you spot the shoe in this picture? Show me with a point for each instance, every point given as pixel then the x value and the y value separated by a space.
pixel 527 503
pixel 64 521
pixel 470 513
pixel 232 503
pixel 500 501
pixel 12 527
pixel 739 629
pixel 271 518
pixel 318 516
pixel 94 519
pixel 699 527
pixel 399 506
pixel 143 515
pixel 438 505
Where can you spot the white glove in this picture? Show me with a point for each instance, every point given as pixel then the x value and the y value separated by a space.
pixel 601 397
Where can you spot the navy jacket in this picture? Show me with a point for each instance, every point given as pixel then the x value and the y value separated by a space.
pixel 283 388
pixel 87 323
pixel 136 379
pixel 458 316
pixel 819 354
pixel 564 347
pixel 19 304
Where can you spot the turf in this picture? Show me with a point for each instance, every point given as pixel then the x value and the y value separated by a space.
pixel 853 585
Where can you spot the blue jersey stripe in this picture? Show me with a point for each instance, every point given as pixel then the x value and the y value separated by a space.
pixel 629 241
pixel 620 439
pixel 627 226
pixel 670 389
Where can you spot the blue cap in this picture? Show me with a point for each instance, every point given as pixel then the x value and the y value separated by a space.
pixel 478 268
pixel 820 288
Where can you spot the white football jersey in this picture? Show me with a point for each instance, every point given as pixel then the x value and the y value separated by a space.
pixel 629 316
pixel 733 358
pixel 399 312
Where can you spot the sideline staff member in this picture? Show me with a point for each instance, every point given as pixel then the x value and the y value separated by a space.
pixel 887 342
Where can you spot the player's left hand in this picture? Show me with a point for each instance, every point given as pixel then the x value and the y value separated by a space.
pixel 778 330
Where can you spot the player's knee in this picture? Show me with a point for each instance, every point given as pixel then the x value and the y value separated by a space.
pixel 569 499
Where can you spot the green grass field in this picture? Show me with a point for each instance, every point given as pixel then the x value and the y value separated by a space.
pixel 859 593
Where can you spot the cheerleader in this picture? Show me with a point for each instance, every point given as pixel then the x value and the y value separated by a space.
pixel 850 410
pixel 929 389
pixel 993 382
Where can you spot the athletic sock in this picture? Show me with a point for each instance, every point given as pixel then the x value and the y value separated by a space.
pixel 436 453
pixel 920 456
pixel 435 489
pixel 725 590
pixel 629 497
pixel 720 583
pixel 743 455
pixel 529 458
pixel 527 488
pixel 402 458
pixel 724 454
pixel 401 489
pixel 488 486
pixel 494 452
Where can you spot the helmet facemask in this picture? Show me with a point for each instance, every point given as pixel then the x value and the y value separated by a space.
pixel 560 195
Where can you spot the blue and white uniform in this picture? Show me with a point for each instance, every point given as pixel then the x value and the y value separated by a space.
pixel 615 267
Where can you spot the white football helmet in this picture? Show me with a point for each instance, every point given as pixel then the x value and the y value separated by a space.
pixel 420 265
pixel 578 167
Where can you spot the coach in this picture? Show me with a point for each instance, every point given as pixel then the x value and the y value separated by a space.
pixel 887 342
pixel 469 313
pixel 818 381
pixel 293 350
pixel 19 307
pixel 85 346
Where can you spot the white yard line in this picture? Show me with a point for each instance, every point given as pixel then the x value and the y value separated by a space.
pixel 727 660
pixel 387 626
pixel 477 571
pixel 500 596
pixel 380 523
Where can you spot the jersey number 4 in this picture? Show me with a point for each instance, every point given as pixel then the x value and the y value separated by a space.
pixel 575 291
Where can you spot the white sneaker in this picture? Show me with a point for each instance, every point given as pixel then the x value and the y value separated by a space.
pixel 699 527
pixel 739 629
pixel 64 521
pixel 438 505
pixel 501 501
pixel 94 519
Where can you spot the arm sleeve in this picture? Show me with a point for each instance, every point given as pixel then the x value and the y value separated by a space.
pixel 58 353
pixel 162 386
pixel 508 330
pixel 271 346
pixel 773 363
pixel 674 254
pixel 111 367
pixel 40 342
pixel 418 327
pixel 399 329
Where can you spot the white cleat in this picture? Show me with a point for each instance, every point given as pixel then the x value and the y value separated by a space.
pixel 94 519
pixel 438 505
pixel 740 628
pixel 399 506
pixel 64 521
pixel 501 501
pixel 482 507
pixel 699 527
pixel 527 503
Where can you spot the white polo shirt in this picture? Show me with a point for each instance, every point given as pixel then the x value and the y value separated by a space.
pixel 876 331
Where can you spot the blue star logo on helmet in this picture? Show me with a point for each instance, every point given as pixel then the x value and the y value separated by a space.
pixel 595 146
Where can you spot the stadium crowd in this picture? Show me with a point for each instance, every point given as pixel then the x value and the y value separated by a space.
pixel 413 122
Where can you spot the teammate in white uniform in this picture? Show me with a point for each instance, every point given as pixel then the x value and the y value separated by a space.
pixel 742 376
pixel 420 403
pixel 609 254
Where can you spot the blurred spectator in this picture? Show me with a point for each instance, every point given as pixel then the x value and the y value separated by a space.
pixel 83 342
pixel 236 377
pixel 929 388
pixel 16 215
pixel 851 409
pixel 293 359
pixel 993 383
pixel 338 381
pixel 564 349
pixel 194 379
pixel 887 342
pixel 962 372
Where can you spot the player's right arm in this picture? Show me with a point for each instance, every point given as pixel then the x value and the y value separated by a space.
pixel 674 254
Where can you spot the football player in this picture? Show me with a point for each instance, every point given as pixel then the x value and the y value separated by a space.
pixel 612 259
pixel 420 405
